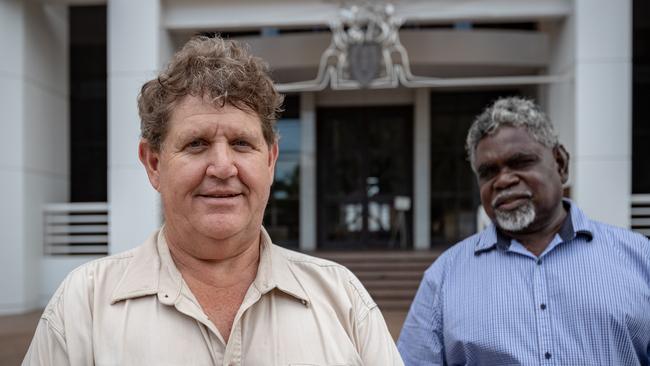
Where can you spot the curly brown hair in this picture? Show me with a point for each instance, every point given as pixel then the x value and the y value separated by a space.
pixel 221 70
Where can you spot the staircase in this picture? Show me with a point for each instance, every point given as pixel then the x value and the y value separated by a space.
pixel 391 277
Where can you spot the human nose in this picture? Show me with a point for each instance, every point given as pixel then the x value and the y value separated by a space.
pixel 221 164
pixel 506 179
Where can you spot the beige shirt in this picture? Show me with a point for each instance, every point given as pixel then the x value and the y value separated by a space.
pixel 135 309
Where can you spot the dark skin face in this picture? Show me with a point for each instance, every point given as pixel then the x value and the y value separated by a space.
pixel 511 160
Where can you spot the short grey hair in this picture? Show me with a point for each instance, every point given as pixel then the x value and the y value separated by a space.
pixel 515 112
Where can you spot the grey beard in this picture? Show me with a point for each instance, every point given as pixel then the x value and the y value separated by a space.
pixel 517 219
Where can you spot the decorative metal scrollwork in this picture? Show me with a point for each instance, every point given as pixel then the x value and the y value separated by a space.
pixel 366 52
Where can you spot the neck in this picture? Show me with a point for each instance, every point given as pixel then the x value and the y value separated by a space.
pixel 537 239
pixel 229 268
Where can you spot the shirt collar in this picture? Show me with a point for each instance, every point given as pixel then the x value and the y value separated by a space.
pixel 274 271
pixel 576 223
pixel 152 271
pixel 141 275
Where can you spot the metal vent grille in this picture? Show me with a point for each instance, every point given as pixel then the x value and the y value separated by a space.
pixel 76 229
pixel 641 213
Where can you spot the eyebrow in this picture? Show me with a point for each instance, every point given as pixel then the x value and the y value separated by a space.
pixel 243 135
pixel 484 168
pixel 521 156
pixel 184 136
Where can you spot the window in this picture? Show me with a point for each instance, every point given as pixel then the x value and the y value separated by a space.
pixel 282 216
pixel 454 192
pixel 640 96
pixel 365 177
pixel 88 153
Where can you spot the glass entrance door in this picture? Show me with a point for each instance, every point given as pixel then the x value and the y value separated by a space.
pixel 454 193
pixel 365 184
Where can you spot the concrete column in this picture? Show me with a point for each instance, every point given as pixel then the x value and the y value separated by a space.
pixel 422 170
pixel 558 99
pixel 12 277
pixel 134 49
pixel 603 101
pixel 308 172
pixel 34 153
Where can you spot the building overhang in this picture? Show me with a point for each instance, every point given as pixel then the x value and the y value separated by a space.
pixel 225 15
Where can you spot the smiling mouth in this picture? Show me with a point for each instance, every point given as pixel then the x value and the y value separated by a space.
pixel 228 195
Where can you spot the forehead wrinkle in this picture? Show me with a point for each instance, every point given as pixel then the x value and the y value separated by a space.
pixel 523 154
pixel 196 117
pixel 206 128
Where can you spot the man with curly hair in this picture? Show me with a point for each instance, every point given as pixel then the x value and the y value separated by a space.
pixel 543 285
pixel 209 287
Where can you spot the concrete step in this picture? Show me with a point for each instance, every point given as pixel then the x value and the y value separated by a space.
pixel 386 266
pixel 393 305
pixel 392 294
pixel 391 277
pixel 391 284
pixel 392 255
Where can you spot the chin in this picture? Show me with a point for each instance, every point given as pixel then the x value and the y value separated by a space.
pixel 518 220
pixel 218 229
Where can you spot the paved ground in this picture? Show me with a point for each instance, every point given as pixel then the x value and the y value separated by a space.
pixel 16 333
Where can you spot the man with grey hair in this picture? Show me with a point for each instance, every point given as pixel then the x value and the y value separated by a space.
pixel 544 284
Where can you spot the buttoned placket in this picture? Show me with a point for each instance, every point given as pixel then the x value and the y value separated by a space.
pixel 542 311
pixel 187 306
pixel 233 353
pixel 541 308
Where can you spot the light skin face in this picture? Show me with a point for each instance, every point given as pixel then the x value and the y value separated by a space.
pixel 513 169
pixel 214 172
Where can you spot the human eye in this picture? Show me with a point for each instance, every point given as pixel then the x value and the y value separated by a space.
pixel 196 145
pixel 242 144
pixel 486 172
pixel 523 162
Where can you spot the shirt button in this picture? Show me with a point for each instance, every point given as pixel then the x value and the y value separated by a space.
pixel 547 355
pixel 543 306
pixel 539 262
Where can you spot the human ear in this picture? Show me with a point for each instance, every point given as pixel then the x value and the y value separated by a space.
pixel 150 158
pixel 274 151
pixel 562 160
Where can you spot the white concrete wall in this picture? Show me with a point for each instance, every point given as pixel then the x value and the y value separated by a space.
pixel 53 270
pixel 12 36
pixel 225 14
pixel 603 102
pixel 308 239
pixel 136 44
pixel 558 99
pixel 34 156
pixel 493 48
pixel 422 170
pixel 46 132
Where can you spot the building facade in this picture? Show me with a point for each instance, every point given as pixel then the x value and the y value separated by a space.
pixel 364 164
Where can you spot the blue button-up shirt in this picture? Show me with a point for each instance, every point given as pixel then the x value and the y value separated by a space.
pixel 489 301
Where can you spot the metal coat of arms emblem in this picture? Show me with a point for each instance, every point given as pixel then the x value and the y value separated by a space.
pixel 365 61
pixel 366 52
